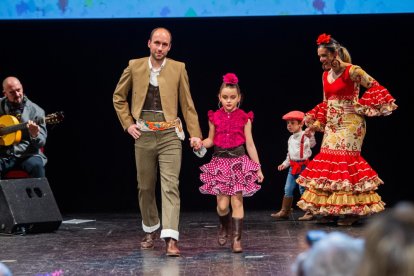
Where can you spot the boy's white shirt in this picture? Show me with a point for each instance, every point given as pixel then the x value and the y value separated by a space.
pixel 294 147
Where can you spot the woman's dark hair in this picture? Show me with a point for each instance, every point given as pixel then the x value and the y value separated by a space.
pixel 333 46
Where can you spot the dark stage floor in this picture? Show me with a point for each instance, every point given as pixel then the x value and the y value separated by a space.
pixel 110 245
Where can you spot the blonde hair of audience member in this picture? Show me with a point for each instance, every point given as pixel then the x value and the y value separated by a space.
pixel 389 245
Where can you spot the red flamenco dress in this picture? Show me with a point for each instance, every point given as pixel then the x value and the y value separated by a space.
pixel 338 180
pixel 233 173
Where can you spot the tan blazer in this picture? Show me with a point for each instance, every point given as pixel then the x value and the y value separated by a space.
pixel 174 87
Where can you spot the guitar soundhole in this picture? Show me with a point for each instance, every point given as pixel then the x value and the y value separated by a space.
pixel 38 192
pixel 32 192
pixel 29 192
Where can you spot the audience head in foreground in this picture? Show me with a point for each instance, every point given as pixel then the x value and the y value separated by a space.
pixel 335 254
pixel 389 243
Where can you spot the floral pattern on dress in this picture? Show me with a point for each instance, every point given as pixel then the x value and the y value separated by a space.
pixel 339 181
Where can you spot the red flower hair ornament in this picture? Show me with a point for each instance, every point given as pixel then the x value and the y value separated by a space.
pixel 230 78
pixel 323 39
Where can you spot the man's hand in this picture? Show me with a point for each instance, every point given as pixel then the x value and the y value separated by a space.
pixel 195 143
pixel 133 130
pixel 33 129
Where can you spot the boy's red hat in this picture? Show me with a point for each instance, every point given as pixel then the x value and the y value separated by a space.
pixel 294 115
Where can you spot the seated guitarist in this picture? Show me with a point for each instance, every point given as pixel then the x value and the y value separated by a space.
pixel 26 152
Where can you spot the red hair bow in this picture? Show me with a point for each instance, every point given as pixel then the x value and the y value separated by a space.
pixel 230 78
pixel 323 38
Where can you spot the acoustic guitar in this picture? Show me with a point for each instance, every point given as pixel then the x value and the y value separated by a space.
pixel 11 128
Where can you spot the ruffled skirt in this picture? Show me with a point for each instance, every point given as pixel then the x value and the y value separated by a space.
pixel 229 176
pixel 338 180
pixel 340 185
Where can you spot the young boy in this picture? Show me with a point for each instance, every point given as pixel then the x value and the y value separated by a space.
pixel 299 152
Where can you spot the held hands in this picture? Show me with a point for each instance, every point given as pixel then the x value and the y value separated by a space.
pixel 196 143
pixel 310 131
pixel 198 147
pixel 133 130
pixel 33 129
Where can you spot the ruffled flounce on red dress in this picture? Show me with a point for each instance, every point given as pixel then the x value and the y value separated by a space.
pixel 224 175
pixel 338 180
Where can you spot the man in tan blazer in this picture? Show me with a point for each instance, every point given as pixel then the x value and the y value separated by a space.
pixel 158 85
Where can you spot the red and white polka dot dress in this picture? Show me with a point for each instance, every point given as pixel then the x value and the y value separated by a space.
pixel 229 175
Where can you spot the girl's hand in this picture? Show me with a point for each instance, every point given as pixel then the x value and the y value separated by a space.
pixel 281 167
pixel 260 176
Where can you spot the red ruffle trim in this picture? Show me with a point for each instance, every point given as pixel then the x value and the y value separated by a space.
pixel 250 116
pixel 376 101
pixel 339 172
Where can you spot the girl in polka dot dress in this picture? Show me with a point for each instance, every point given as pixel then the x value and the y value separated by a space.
pixel 231 174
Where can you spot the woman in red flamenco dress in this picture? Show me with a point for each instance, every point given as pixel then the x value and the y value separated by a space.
pixel 339 182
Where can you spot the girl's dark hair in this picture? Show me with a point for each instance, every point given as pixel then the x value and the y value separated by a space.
pixel 224 85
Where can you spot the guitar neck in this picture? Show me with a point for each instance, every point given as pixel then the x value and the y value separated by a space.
pixel 14 128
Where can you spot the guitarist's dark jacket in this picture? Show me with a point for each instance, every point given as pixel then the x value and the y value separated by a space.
pixel 28 146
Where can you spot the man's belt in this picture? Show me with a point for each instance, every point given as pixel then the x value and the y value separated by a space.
pixel 144 125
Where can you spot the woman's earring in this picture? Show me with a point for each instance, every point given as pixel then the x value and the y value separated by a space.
pixel 238 105
pixel 335 63
pixel 219 104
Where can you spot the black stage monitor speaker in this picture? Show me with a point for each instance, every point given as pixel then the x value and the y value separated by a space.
pixel 27 206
